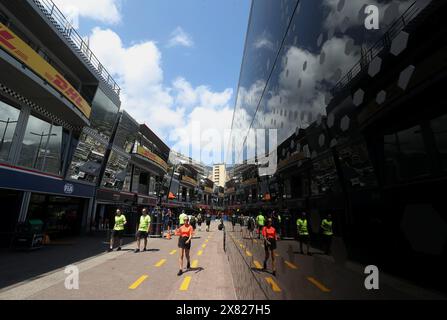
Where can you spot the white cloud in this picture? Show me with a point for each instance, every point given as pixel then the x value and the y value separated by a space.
pixel 106 11
pixel 171 111
pixel 180 38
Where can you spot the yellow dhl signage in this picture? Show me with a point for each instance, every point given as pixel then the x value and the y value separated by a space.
pixel 142 151
pixel 24 53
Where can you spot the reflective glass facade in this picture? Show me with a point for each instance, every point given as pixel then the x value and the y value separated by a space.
pixel 104 114
pixel 360 127
pixel 9 117
pixel 296 52
pixel 87 159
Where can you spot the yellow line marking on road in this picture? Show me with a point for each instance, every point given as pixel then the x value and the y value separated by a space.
pixel 291 265
pixel 137 283
pixel 173 252
pixel 185 284
pixel 160 263
pixel 274 285
pixel 249 253
pixel 200 252
pixel 195 264
pixel 257 264
pixel 203 246
pixel 318 284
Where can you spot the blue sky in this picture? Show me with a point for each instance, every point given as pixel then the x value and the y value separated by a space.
pixel 178 61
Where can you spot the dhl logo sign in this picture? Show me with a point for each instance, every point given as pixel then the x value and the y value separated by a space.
pixel 22 52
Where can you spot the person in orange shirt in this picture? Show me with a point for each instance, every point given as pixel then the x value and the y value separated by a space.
pixel 270 238
pixel 185 233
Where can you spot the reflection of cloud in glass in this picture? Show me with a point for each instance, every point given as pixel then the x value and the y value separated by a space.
pixel 353 12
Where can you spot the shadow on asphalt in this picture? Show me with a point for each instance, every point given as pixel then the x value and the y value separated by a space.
pixel 18 266
pixel 196 270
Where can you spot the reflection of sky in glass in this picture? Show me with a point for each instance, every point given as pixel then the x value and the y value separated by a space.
pixel 104 113
pixel 126 133
pixel 324 41
pixel 8 117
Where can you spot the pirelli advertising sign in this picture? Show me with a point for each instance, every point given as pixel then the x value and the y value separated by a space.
pixel 24 53
pixel 144 152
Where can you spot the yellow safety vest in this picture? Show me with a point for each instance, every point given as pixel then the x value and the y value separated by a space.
pixel 302 227
pixel 326 225
pixel 119 222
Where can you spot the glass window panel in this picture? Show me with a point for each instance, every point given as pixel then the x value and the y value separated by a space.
pixel 37 135
pixel 405 155
pixel 54 153
pixel 8 123
pixel 115 172
pixel 128 180
pixel 104 113
pixel 127 133
pixel 87 160
pixel 439 127
pixel 136 179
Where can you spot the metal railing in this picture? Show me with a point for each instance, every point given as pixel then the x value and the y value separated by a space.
pixel 69 32
pixel 384 42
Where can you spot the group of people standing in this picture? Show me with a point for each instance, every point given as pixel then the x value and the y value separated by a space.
pixel 185 231
pixel 269 229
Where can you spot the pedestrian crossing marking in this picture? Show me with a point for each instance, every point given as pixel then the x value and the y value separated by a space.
pixel 185 284
pixel 249 253
pixel 160 263
pixel 200 252
pixel 257 264
pixel 273 284
pixel 318 284
pixel 137 283
pixel 195 264
pixel 291 265
pixel 173 252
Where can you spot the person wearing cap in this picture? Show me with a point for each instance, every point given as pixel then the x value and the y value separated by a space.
pixel 260 220
pixel 270 238
pixel 143 230
pixel 185 233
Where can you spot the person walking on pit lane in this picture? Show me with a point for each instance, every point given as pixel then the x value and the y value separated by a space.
pixel 270 238
pixel 260 221
pixel 143 229
pixel 118 230
pixel 303 232
pixel 208 221
pixel 328 233
pixel 184 243
pixel 182 217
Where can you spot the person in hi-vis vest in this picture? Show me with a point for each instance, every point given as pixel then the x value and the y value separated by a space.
pixel 303 232
pixel 328 233
pixel 118 230
pixel 143 229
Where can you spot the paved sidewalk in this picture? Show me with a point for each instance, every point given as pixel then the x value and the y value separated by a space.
pixel 144 276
